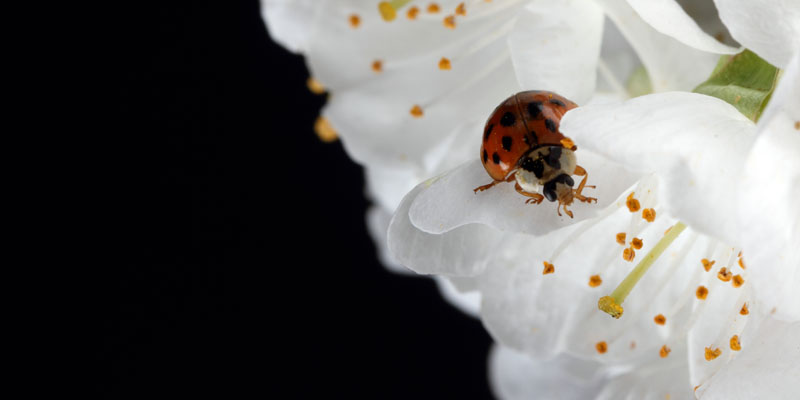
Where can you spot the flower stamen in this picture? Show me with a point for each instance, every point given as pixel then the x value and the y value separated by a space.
pixel 633 204
pixel 735 345
pixel 712 354
pixel 701 292
pixel 548 268
pixel 595 281
pixel 388 9
pixel 664 352
pixel 660 319
pixel 612 304
pixel 707 264
pixel 621 238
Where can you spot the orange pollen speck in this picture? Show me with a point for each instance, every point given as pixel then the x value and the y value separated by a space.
pixel 660 319
pixel 712 354
pixel 633 345
pixel 548 268
pixel 649 214
pixel 355 20
pixel 444 64
pixel 601 347
pixel 433 8
pixel 449 21
pixel 412 12
pixel 664 352
pixel 724 275
pixel 741 263
pixel 707 264
pixel 621 238
pixel 738 281
pixel 324 130
pixel 595 281
pixel 744 310
pixel 797 125
pixel 568 143
pixel 461 9
pixel 637 243
pixel 701 292
pixel 633 204
pixel 377 65
pixel 628 254
pixel 735 345
pixel 315 86
pixel 416 111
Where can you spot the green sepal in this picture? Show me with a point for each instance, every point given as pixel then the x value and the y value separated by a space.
pixel 743 80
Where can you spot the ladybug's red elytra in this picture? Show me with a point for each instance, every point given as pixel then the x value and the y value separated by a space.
pixel 521 142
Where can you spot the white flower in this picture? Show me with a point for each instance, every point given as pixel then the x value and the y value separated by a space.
pixel 688 151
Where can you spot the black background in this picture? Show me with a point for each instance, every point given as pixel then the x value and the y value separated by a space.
pixel 241 263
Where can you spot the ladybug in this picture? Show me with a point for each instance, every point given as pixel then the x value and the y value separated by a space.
pixel 521 142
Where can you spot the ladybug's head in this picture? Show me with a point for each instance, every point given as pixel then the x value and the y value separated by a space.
pixel 548 167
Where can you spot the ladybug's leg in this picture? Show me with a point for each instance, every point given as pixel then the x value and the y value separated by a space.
pixel 535 198
pixel 510 178
pixel 563 205
pixel 582 172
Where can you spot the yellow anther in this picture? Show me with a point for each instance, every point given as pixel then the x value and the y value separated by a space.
pixel 633 204
pixel 449 21
pixel 649 214
pixel 724 275
pixel 315 86
pixel 412 12
pixel 712 354
pixel 377 65
pixel 610 306
pixel 738 281
pixel 621 238
pixel 707 264
pixel 444 64
pixel 735 345
pixel 660 319
pixel 568 144
pixel 741 263
pixel 355 20
pixel 701 292
pixel 595 281
pixel 664 352
pixel 744 310
pixel 416 111
pixel 548 268
pixel 601 347
pixel 388 13
pixel 324 130
pixel 637 243
pixel 628 254
pixel 461 9
pixel 433 8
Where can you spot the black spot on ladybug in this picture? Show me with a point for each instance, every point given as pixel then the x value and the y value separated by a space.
pixel 553 158
pixel 565 179
pixel 551 126
pixel 557 102
pixel 507 143
pixel 535 109
pixel 508 119
pixel 488 132
pixel 496 158
pixel 535 166
pixel 485 156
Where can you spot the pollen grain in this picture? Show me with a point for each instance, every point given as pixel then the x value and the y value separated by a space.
pixel 449 22
pixel 355 20
pixel 724 275
pixel 741 263
pixel 412 13
pixel 649 214
pixel 637 243
pixel 433 8
pixel 416 111
pixel 735 345
pixel 377 66
pixel 601 347
pixel 744 310
pixel 628 254
pixel 621 238
pixel 707 264
pixel 595 281
pixel 738 281
pixel 660 319
pixel 664 352
pixel 633 204
pixel 701 292
pixel 712 354
pixel 548 268
pixel 461 9
pixel 444 64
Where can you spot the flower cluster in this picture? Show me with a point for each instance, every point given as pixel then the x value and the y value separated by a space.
pixel 692 244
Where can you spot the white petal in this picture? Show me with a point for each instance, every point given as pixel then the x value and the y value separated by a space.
pixel 695 143
pixel 463 252
pixel 657 379
pixel 671 64
pixel 450 201
pixel 377 225
pixel 289 22
pixel 667 17
pixel 771 28
pixel 468 302
pixel 515 376
pixel 767 367
pixel 769 215
pixel 555 46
